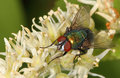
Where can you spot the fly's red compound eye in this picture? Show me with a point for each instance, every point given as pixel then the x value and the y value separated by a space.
pixel 61 38
pixel 67 46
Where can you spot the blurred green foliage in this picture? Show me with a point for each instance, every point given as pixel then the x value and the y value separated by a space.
pixel 13 13
pixel 11 17
pixel 117 5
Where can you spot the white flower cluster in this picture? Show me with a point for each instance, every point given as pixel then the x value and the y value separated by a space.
pixel 25 59
pixel 105 9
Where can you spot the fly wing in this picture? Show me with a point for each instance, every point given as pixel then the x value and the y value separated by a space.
pixel 102 41
pixel 81 19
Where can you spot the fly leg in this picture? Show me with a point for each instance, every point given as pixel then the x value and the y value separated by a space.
pixel 57 57
pixel 82 52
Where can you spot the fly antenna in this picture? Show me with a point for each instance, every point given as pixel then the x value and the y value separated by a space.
pixel 49 45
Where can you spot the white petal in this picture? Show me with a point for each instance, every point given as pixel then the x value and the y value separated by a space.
pixel 27 60
pixel 100 56
pixel 97 75
pixel 2 66
pixel 7 45
pixel 106 16
pixel 91 2
pixel 2 53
